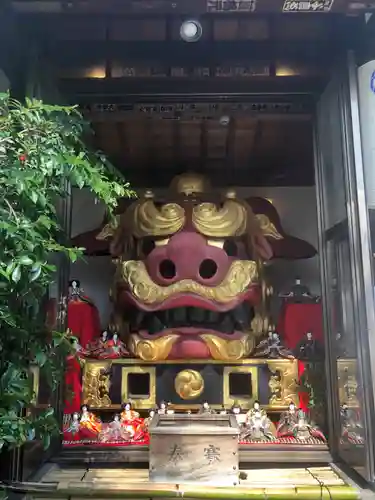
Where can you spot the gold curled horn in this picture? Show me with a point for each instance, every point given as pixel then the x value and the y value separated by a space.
pixel 219 222
pixel 149 220
pixel 267 227
pixel 123 242
pixel 109 229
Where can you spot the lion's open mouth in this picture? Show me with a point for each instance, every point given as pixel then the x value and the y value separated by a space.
pixel 191 319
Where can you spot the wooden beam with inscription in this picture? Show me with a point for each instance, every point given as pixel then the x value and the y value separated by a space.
pixel 182 111
pixel 86 91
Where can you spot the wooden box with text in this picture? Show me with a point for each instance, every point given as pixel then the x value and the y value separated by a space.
pixel 198 449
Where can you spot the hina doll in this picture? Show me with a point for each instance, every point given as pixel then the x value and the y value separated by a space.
pixel 272 348
pixel 82 315
pixel 236 410
pixel 97 347
pixel 309 349
pixel 114 432
pixel 351 426
pixel 132 422
pixel 303 431
pixel 72 433
pixel 164 409
pixel 89 425
pixel 223 410
pixel 299 294
pixel 205 409
pixel 148 420
pixel 257 427
pixel 115 348
pixel 288 420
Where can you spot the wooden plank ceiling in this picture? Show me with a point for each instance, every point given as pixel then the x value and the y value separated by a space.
pixel 236 105
pixel 229 145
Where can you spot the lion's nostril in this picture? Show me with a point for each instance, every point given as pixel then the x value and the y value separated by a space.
pixel 167 269
pixel 207 269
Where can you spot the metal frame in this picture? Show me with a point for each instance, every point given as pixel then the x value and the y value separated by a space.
pixel 359 247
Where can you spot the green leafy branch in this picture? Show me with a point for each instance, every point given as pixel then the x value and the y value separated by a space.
pixel 41 154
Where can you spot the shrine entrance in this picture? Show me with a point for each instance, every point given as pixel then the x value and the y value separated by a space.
pixel 244 146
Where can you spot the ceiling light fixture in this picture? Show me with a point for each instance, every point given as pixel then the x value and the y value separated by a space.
pixel 191 30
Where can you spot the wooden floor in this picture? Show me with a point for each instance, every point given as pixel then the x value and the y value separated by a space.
pixel 77 483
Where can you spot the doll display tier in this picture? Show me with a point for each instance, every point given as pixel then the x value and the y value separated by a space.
pixel 187 386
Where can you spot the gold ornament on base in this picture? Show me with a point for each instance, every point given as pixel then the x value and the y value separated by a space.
pixel 189 384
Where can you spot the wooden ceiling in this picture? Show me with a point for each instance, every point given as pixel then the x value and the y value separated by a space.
pixel 237 104
pixel 231 143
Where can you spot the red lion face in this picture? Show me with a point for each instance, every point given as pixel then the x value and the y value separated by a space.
pixel 187 277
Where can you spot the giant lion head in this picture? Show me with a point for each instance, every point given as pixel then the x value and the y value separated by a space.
pixel 188 270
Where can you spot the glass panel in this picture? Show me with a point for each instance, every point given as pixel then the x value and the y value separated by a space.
pixel 331 148
pixel 342 286
pixel 342 325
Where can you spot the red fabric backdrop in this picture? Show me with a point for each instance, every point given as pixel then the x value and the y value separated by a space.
pixel 295 321
pixel 83 321
pixel 73 386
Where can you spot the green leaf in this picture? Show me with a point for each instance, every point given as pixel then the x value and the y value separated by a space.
pixel 49 412
pixel 34 196
pixel 5 274
pixel 35 273
pixel 46 441
pixel 73 254
pixel 10 268
pixel 9 439
pixel 16 274
pixel 25 260
pixel 31 237
pixel 79 181
pixel 40 358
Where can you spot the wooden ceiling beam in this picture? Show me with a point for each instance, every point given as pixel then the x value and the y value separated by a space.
pixel 181 53
pixel 130 118
pixel 89 91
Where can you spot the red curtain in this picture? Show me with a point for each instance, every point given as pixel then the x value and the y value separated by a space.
pixel 83 321
pixel 295 321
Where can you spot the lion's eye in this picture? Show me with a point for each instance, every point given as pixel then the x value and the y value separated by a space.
pixel 230 247
pixel 147 246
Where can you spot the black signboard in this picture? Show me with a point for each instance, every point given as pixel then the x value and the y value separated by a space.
pixel 230 6
pixel 307 6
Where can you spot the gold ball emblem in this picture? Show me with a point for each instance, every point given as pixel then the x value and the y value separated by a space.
pixel 189 384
